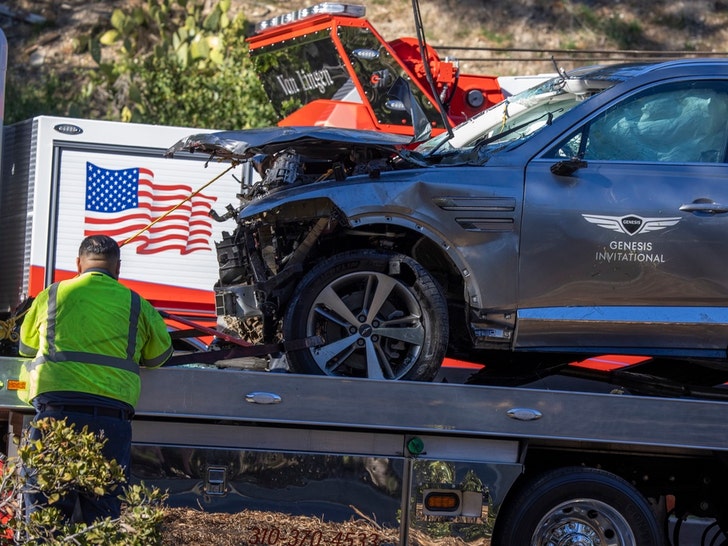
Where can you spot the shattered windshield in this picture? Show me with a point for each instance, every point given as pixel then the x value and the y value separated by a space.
pixel 518 117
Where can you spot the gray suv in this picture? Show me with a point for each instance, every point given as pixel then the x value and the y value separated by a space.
pixel 587 215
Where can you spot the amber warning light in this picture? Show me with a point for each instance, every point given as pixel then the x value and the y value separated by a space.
pixel 452 502
pixel 442 501
pixel 15 385
pixel 330 8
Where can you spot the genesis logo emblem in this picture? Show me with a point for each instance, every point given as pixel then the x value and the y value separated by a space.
pixel 631 224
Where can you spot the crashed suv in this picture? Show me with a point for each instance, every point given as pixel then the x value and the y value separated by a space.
pixel 586 215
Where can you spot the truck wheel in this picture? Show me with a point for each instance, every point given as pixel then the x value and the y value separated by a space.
pixel 584 506
pixel 381 315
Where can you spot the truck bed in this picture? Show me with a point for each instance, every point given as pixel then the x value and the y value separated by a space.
pixel 193 393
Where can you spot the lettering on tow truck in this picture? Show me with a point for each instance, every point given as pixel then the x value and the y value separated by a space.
pixel 328 535
pixel 315 80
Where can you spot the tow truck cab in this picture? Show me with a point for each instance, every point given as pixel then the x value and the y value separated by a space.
pixel 327 65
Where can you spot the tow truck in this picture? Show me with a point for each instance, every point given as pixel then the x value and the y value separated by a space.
pixel 564 459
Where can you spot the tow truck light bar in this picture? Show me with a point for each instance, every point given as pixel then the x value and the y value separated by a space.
pixel 348 10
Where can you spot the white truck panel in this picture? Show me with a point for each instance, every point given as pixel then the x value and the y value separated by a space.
pixel 58 180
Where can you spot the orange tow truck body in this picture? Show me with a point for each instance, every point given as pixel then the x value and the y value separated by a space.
pixel 327 65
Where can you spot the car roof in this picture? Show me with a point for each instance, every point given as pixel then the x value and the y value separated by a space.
pixel 626 71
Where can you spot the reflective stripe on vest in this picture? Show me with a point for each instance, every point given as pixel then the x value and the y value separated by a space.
pixel 128 364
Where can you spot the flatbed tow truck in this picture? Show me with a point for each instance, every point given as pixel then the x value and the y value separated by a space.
pixel 599 452
pixel 415 462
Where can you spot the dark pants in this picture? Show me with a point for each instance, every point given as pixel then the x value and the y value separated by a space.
pixel 117 432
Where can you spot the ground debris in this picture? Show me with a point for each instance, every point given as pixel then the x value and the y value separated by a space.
pixel 187 527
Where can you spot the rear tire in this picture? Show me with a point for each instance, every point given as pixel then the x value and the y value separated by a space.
pixel 381 315
pixel 584 506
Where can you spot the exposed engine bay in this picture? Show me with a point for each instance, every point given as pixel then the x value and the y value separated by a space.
pixel 261 257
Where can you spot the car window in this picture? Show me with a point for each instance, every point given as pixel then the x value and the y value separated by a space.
pixel 297 71
pixel 683 122
pixel 520 116
pixel 377 73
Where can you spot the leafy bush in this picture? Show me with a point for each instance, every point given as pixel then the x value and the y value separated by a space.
pixel 64 460
pixel 166 62
pixel 51 97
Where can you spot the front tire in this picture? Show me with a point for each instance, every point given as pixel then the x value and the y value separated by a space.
pixel 381 315
pixel 584 506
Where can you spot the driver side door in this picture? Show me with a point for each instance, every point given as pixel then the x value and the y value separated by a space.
pixel 628 252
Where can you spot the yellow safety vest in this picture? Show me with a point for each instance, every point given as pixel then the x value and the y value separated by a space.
pixel 90 334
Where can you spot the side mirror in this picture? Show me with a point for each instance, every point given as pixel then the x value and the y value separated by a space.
pixel 568 167
pixel 402 94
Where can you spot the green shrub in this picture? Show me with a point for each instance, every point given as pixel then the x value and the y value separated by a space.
pixel 64 460
pixel 164 62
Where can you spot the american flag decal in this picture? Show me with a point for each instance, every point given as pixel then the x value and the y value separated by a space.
pixel 120 203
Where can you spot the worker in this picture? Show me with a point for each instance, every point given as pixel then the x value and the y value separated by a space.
pixel 88 336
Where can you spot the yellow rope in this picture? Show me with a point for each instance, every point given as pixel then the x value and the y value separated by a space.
pixel 7 327
pixel 325 175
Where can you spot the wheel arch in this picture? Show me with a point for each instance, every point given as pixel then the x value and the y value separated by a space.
pixel 555 490
pixel 383 229
pixel 421 231
pixel 394 222
pixel 427 247
pixel 688 482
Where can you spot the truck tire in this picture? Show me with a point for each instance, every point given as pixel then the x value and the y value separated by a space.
pixel 584 506
pixel 381 315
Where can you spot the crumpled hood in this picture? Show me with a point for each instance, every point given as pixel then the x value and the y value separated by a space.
pixel 244 144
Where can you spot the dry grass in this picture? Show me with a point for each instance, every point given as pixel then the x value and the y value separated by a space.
pixel 185 527
pixel 574 25
pixel 660 25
